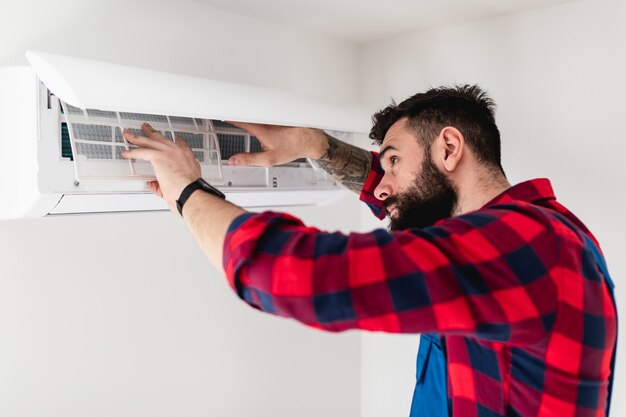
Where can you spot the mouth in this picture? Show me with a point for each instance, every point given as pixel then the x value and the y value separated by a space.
pixel 391 210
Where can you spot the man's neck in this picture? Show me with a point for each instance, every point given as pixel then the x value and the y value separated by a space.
pixel 474 195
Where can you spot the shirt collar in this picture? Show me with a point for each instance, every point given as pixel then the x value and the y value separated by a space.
pixel 530 191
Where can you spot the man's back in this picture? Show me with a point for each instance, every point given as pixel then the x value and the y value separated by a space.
pixel 565 371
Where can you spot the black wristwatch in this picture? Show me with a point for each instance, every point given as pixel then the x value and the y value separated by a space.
pixel 198 184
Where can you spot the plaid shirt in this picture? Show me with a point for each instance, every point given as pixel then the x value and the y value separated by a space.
pixel 527 323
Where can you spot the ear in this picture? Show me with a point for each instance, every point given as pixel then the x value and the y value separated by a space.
pixel 451 145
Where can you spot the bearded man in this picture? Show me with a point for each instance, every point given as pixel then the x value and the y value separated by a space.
pixel 507 287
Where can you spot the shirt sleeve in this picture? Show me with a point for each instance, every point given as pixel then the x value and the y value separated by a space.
pixel 484 274
pixel 372 181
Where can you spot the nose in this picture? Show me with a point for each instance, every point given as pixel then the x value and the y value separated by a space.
pixel 383 189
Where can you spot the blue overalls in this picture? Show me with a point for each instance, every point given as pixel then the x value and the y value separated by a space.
pixel 430 395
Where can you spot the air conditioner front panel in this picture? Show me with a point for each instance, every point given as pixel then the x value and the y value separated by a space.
pixel 111 87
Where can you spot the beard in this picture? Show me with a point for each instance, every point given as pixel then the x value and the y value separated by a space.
pixel 430 198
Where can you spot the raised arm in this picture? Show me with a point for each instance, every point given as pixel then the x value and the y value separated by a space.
pixel 348 164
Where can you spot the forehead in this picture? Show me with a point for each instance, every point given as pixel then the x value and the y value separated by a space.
pixel 399 137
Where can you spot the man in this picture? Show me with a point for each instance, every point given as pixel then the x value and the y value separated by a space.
pixel 507 286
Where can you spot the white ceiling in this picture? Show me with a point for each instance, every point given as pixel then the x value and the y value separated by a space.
pixel 363 21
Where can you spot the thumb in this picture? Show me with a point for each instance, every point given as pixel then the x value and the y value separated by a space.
pixel 262 159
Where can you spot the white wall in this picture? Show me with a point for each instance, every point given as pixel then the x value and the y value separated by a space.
pixel 121 314
pixel 557 75
pixel 183 37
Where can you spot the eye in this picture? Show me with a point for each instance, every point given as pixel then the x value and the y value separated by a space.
pixel 393 160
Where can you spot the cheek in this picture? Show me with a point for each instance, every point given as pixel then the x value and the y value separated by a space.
pixel 405 181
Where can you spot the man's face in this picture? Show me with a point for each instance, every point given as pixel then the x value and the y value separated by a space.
pixel 414 192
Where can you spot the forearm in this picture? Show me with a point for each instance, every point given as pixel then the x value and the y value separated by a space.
pixel 207 217
pixel 418 281
pixel 348 164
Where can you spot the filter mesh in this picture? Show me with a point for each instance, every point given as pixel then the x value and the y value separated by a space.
pixel 255 145
pixel 186 121
pixel 218 124
pixel 72 110
pixel 231 144
pixel 98 133
pixel 94 151
pixel 118 135
pixel 100 113
pixel 194 140
pixel 97 142
pixel 151 118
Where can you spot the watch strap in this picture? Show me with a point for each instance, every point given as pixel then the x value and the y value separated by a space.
pixel 194 186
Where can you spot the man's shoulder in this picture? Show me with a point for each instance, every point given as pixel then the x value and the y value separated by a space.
pixel 511 214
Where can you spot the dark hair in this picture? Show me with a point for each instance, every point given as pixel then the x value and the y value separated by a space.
pixel 467 108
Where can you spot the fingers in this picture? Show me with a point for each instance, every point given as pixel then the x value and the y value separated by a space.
pixel 154 142
pixel 140 153
pixel 148 129
pixel 182 143
pixel 152 133
pixel 154 188
pixel 261 159
pixel 148 146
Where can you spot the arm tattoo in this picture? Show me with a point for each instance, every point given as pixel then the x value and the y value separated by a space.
pixel 350 165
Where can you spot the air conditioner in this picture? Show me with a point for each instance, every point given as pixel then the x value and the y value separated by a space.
pixel 62 119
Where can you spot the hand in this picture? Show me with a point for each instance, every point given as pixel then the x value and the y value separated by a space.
pixel 174 164
pixel 281 144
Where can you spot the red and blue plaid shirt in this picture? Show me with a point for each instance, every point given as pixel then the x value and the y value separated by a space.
pixel 527 322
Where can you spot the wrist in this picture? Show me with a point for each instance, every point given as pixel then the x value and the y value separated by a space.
pixel 192 188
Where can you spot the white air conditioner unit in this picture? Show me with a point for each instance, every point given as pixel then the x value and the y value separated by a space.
pixel 61 140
